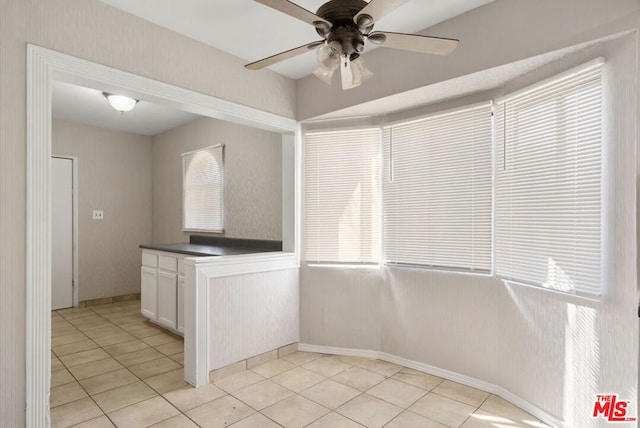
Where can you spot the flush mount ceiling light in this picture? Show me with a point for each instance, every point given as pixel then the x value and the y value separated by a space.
pixel 120 103
pixel 344 25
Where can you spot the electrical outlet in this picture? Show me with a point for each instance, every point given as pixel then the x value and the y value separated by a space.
pixel 98 215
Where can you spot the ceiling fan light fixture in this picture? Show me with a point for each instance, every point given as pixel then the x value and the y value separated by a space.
pixel 360 71
pixel 328 56
pixel 353 72
pixel 325 74
pixel 120 103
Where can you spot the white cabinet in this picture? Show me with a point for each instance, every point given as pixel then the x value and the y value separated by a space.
pixel 167 298
pixel 181 303
pixel 149 292
pixel 162 289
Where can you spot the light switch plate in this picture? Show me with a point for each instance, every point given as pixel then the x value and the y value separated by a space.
pixel 98 215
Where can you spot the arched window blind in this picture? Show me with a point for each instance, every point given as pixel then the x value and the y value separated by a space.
pixel 203 189
pixel 342 196
pixel 548 194
pixel 437 191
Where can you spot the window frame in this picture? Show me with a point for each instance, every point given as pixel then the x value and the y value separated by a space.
pixel 488 104
pixel 495 164
pixel 378 182
pixel 222 198
pixel 584 292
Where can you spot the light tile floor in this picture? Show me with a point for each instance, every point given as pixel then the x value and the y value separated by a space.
pixel 111 367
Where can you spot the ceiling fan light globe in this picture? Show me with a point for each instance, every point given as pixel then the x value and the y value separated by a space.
pixel 360 71
pixel 325 74
pixel 335 48
pixel 328 56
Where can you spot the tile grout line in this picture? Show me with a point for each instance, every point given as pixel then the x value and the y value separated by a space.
pixel 476 409
pixel 143 381
pixel 350 365
pixel 83 388
pixel 77 381
pixel 126 368
pixel 232 394
pixel 260 411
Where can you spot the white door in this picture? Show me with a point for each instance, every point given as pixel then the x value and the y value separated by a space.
pixel 62 233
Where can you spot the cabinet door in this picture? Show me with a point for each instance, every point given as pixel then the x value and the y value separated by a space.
pixel 167 293
pixel 149 292
pixel 181 303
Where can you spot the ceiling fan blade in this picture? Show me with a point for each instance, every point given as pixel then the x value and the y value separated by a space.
pixel 414 42
pixel 295 11
pixel 273 59
pixel 375 10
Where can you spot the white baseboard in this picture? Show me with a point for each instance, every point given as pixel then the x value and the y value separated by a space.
pixel 338 351
pixel 446 374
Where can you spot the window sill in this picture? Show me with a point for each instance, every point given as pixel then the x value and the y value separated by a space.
pixel 203 231
pixel 582 299
pixel 369 266
pixel 483 273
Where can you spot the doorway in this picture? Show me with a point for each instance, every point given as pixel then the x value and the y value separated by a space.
pixel 64 263
pixel 45 65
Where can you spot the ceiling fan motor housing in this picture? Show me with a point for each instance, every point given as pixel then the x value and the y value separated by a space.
pixel 350 38
pixel 340 13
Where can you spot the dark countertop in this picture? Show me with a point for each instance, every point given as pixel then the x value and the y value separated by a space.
pixel 199 250
pixel 205 246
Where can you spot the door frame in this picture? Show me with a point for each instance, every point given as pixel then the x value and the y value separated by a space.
pixel 43 67
pixel 74 225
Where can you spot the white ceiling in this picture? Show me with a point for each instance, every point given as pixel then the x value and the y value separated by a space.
pixel 475 83
pixel 88 106
pixel 243 28
pixel 252 31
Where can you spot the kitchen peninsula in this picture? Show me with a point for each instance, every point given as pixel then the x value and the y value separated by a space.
pixel 232 299
pixel 162 273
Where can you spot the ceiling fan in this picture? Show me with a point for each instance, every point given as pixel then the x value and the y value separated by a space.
pixel 344 25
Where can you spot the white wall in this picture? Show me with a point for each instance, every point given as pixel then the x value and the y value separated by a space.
pixel 91 30
pixel 552 351
pixel 114 175
pixel 251 314
pixel 253 179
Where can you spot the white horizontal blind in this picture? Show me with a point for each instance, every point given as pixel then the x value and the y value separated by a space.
pixel 203 189
pixel 342 196
pixel 548 196
pixel 438 190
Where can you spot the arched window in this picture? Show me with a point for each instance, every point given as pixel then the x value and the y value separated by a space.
pixel 203 189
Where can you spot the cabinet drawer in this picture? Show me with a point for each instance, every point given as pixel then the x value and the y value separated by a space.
pixel 168 263
pixel 149 259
